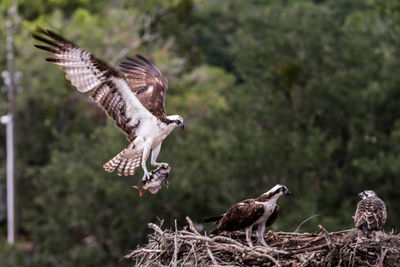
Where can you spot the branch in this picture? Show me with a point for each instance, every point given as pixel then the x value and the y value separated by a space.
pixel 303 222
pixel 175 256
pixel 191 226
pixel 326 235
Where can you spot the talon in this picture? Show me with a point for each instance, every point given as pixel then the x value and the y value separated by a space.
pixel 164 165
pixel 146 177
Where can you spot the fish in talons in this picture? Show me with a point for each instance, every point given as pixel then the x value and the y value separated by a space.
pixel 158 177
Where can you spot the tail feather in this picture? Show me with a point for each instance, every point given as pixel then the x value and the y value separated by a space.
pixel 125 164
pixel 121 167
pixel 213 219
pixel 112 164
pixel 215 231
pixel 127 170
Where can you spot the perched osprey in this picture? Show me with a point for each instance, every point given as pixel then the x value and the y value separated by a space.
pixel 371 213
pixel 135 102
pixel 260 212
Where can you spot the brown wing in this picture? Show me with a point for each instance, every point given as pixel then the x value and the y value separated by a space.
pixel 217 219
pixel 88 73
pixel 240 215
pixel 272 217
pixel 147 82
pixel 370 214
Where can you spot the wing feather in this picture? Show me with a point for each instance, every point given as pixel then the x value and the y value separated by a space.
pixel 241 215
pixel 370 214
pixel 105 85
pixel 148 83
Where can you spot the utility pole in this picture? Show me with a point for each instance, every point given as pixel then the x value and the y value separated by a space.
pixel 9 78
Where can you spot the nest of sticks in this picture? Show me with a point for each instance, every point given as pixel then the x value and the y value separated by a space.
pixel 187 247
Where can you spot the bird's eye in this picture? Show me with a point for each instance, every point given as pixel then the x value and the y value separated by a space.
pixel 177 121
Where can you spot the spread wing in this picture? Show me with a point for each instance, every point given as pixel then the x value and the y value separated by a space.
pixel 90 74
pixel 240 215
pixel 147 82
pixel 370 214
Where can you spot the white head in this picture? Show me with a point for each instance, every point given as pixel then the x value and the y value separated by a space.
pixel 176 120
pixel 367 193
pixel 275 192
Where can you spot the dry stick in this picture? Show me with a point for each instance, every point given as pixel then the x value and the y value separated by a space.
pixel 344 231
pixel 293 234
pixel 155 228
pixel 262 249
pixel 308 249
pixel 211 256
pixel 195 258
pixel 382 257
pixel 142 250
pixel 326 235
pixel 306 220
pixel 149 256
pixel 175 256
pixel 191 226
pixel 226 250
pixel 309 240
pixel 229 240
pixel 308 259
pixel 140 262
pixel 191 244
pixel 158 256
pixel 341 252
pixel 188 254
pixel 193 229
pixel 236 245
pixel 354 250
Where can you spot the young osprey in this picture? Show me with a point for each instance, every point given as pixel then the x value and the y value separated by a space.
pixel 371 213
pixel 260 212
pixel 135 102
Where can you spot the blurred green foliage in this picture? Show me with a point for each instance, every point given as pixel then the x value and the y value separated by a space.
pixel 304 93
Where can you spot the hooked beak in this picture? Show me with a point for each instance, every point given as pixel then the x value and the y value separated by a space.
pixel 287 192
pixel 181 125
pixel 360 195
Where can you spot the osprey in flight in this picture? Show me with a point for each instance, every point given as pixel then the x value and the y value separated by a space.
pixel 260 212
pixel 135 102
pixel 371 213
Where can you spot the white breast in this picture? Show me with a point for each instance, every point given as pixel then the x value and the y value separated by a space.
pixel 268 210
pixel 150 130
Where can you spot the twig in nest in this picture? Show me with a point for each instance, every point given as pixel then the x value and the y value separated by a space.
pixel 190 248
pixel 191 226
pixel 175 256
pixel 303 222
pixel 193 229
pixel 326 235
pixel 214 261
pixel 381 258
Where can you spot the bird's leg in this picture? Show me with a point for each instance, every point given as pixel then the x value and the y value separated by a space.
pixel 260 234
pixel 248 236
pixel 145 155
pixel 154 155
